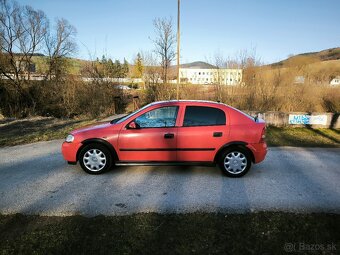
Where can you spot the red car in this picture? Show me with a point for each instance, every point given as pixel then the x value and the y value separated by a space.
pixel 172 132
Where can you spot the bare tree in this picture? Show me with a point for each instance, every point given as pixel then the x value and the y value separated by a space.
pixel 152 73
pixel 220 64
pixel 22 30
pixel 59 45
pixel 164 42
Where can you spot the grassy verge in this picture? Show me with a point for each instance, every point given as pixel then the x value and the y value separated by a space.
pixel 196 233
pixel 14 132
pixel 303 137
pixel 17 132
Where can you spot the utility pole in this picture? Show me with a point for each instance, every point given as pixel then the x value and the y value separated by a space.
pixel 178 44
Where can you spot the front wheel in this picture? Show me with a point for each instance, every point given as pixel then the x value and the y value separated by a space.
pixel 95 159
pixel 235 162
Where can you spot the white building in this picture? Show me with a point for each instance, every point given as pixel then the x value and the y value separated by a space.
pixel 299 79
pixel 203 73
pixel 335 81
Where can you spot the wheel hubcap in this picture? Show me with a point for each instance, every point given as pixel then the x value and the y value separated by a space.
pixel 94 160
pixel 235 162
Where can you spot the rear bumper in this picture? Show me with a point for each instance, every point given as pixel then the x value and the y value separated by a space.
pixel 259 151
pixel 69 151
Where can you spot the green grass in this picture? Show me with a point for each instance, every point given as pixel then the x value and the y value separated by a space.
pixel 15 132
pixel 195 233
pixel 303 137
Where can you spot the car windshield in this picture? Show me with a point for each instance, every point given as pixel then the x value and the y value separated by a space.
pixel 128 116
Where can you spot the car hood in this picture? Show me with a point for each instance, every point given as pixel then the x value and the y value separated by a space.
pixel 91 128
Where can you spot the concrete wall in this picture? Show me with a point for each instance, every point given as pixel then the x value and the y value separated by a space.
pixel 281 119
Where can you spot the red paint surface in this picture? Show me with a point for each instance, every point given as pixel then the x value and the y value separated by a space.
pixel 188 143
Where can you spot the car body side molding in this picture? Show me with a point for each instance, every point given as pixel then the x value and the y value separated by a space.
pixel 167 149
pixel 164 163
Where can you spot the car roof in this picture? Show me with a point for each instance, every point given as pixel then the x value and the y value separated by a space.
pixel 187 101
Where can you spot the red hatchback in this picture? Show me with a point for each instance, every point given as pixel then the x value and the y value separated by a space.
pixel 171 132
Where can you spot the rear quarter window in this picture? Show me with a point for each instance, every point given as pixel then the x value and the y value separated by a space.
pixel 203 116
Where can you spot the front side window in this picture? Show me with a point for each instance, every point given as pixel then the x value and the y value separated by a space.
pixel 160 117
pixel 203 116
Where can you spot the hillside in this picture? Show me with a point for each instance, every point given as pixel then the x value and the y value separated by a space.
pixel 329 58
pixel 309 58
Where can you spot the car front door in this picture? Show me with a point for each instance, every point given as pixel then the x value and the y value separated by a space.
pixel 152 137
pixel 202 133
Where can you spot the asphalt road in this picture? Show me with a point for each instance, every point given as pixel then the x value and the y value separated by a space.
pixel 34 179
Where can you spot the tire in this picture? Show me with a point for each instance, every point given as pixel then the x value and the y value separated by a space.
pixel 95 158
pixel 235 162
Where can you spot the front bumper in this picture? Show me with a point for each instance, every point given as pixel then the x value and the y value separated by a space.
pixel 69 151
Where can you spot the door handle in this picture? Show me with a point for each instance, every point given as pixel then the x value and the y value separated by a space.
pixel 217 134
pixel 169 136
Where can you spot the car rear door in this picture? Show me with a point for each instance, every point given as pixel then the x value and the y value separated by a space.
pixel 202 133
pixel 154 139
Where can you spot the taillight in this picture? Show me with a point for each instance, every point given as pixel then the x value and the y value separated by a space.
pixel 263 135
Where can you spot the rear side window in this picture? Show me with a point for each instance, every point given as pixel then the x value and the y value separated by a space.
pixel 203 116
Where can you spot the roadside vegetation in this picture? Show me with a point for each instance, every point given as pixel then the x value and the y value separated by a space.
pixel 31 45
pixel 195 233
pixel 73 92
pixel 15 132
pixel 303 137
pixel 30 130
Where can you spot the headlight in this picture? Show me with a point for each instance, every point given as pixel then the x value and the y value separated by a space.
pixel 69 138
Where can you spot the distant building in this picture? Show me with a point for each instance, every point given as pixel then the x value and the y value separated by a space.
pixel 299 80
pixel 203 73
pixel 24 66
pixel 335 81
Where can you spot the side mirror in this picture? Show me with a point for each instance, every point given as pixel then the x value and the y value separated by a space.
pixel 132 125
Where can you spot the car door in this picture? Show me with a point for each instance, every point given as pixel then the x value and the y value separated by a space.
pixel 153 139
pixel 201 134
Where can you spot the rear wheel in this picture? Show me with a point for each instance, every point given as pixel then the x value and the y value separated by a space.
pixel 235 162
pixel 95 159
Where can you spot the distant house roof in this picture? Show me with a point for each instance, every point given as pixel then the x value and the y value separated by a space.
pixel 198 65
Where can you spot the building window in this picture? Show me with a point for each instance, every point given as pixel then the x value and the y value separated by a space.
pixel 199 73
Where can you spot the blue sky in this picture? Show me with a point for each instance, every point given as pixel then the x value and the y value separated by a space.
pixel 276 28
